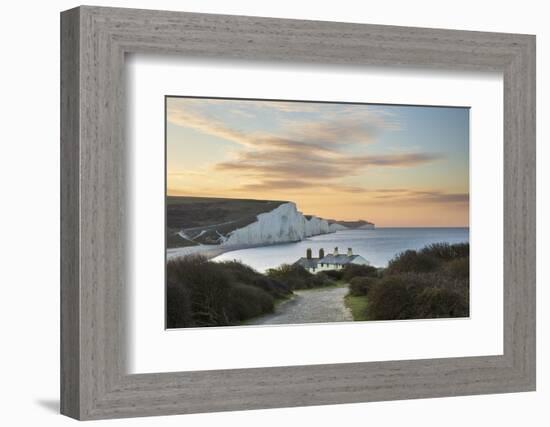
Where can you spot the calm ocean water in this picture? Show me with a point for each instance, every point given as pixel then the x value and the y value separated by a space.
pixel 377 246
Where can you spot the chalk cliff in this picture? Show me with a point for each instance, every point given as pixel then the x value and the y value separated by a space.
pixel 283 224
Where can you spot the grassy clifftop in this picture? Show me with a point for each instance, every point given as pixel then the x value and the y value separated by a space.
pixel 353 224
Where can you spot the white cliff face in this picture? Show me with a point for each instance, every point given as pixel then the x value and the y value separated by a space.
pixel 283 224
pixel 337 227
pixel 367 227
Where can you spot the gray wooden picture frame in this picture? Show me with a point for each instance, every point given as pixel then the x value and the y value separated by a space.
pixel 94 42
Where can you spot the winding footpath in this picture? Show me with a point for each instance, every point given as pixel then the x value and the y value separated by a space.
pixel 310 306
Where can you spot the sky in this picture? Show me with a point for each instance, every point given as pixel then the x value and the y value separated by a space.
pixel 396 166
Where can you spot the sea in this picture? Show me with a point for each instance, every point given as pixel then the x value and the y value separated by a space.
pixel 378 246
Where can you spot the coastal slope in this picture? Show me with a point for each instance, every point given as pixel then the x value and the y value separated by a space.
pixel 215 223
pixel 192 221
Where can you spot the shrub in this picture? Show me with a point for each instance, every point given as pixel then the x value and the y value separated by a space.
pixel 458 268
pixel 359 286
pixel 418 296
pixel 354 270
pixel 391 298
pixel 440 302
pixel 334 274
pixel 178 306
pixel 412 262
pixel 429 283
pixel 249 302
pixel 297 277
pixel 208 289
pixel 320 279
pixel 242 273
pixel 446 252
pixel 204 293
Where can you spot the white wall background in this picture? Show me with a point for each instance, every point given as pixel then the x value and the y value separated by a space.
pixel 29 168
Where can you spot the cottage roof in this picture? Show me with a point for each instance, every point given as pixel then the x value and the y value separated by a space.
pixel 307 262
pixel 342 259
pixel 338 259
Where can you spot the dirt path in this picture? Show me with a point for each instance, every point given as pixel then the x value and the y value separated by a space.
pixel 310 306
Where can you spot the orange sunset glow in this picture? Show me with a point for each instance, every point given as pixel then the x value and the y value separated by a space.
pixel 396 166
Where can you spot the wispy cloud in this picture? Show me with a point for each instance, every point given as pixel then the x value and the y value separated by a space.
pixel 194 119
pixel 280 165
pixel 296 184
pixel 404 196
pixel 379 196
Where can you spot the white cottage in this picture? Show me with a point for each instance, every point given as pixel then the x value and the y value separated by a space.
pixel 334 261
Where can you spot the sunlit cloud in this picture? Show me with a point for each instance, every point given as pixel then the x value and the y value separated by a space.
pixel 341 130
pixel 277 165
pixel 293 184
pixel 419 196
pixel 186 174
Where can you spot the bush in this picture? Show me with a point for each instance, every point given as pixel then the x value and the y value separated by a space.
pixel 208 288
pixel 354 270
pixel 412 262
pixel 204 293
pixel 334 274
pixel 178 306
pixel 446 252
pixel 458 268
pixel 320 279
pixel 249 302
pixel 440 302
pixel 242 273
pixel 418 296
pixel 391 298
pixel 297 277
pixel 360 286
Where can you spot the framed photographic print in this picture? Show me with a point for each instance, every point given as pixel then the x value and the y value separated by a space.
pixel 262 213
pixel 240 250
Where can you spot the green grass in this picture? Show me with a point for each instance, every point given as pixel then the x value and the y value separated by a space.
pixel 358 306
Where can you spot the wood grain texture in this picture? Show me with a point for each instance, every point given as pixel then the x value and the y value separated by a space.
pixel 94 268
pixel 70 334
